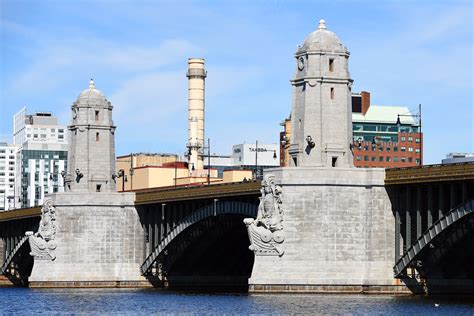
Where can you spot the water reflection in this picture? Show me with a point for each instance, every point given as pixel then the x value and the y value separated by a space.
pixel 156 301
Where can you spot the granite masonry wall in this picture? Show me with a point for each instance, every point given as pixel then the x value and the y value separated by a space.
pixel 339 232
pixel 99 242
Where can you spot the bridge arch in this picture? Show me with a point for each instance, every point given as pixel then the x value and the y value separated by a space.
pixel 433 235
pixel 213 210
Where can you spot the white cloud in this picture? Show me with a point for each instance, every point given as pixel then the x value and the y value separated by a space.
pixel 92 57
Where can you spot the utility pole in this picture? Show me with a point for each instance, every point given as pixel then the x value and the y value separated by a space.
pixel 175 170
pixel 421 137
pixel 208 161
pixel 256 159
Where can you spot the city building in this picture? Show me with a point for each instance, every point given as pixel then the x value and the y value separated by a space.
pixel 255 157
pixel 148 170
pixel 41 157
pixel 7 176
pixel 383 136
pixel 221 163
pixel 458 158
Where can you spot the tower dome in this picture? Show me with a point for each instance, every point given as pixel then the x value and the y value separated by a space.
pixel 91 95
pixel 323 39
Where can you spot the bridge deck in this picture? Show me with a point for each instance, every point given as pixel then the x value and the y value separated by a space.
pixel 430 173
pixel 159 195
pixel 20 214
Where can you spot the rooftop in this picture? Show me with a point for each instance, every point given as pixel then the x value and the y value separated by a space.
pixel 385 114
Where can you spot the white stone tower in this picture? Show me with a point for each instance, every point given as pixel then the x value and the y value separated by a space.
pixel 336 225
pixel 91 161
pixel 196 79
pixel 321 108
pixel 97 239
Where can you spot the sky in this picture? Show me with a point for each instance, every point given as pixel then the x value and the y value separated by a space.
pixel 404 52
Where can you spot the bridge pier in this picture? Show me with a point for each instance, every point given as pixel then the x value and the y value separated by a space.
pixel 339 234
pixel 99 243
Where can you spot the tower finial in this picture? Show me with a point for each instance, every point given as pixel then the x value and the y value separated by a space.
pixel 322 24
pixel 91 84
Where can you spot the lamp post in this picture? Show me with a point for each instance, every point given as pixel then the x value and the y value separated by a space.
pixel 418 116
pixel 256 159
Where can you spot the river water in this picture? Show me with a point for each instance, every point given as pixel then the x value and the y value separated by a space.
pixel 24 301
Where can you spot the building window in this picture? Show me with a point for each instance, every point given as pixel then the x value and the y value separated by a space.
pixel 417 140
pixel 417 161
pixel 331 64
pixel 395 148
pixel 60 130
pixel 97 136
pixel 332 93
pixel 417 150
pixel 96 115
pixel 403 138
pixel 410 149
pixel 374 158
pixel 402 148
pixel 334 161
pixel 410 159
pixel 387 148
pixel 403 159
pixel 395 159
pixel 381 148
pixel 366 147
pixel 359 158
pixel 366 158
pixel 388 159
pixel 381 158
pixel 410 139
pixel 97 188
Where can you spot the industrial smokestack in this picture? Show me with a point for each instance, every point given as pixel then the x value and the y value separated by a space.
pixel 196 76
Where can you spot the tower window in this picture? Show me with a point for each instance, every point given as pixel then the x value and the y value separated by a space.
pixel 334 161
pixel 97 136
pixel 332 93
pixel 331 64
pixel 96 115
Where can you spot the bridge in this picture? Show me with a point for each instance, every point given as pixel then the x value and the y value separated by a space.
pixel 433 208
pixel 193 235
pixel 196 236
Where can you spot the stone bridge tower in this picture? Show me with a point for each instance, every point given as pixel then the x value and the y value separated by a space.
pixel 321 108
pixel 98 239
pixel 91 161
pixel 336 225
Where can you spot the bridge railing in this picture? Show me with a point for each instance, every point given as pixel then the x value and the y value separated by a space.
pixel 430 173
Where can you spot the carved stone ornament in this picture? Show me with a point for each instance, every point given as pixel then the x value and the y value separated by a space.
pixel 42 243
pixel 266 231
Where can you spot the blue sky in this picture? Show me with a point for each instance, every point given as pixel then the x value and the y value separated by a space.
pixel 403 52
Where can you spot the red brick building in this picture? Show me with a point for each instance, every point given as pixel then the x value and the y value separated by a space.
pixel 385 136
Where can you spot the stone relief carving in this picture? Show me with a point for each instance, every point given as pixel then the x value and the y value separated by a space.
pixel 42 243
pixel 266 231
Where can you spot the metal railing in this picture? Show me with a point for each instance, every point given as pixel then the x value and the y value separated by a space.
pixel 430 173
